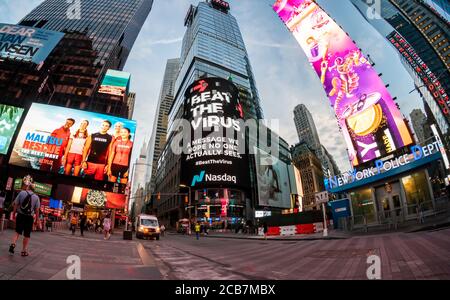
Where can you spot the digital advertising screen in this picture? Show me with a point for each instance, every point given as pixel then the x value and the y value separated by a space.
pixel 90 197
pixel 272 174
pixel 75 143
pixel 212 156
pixel 372 124
pixel 9 120
pixel 27 44
pixel 115 83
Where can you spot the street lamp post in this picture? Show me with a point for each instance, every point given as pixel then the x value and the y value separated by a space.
pixel 190 205
pixel 130 190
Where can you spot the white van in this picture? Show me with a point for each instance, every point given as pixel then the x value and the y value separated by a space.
pixel 147 226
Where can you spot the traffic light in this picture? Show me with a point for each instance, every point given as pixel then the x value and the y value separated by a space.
pixel 158 197
pixel 186 199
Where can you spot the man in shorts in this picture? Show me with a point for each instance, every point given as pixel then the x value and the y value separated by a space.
pixel 27 206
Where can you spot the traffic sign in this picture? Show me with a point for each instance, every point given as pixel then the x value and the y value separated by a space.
pixel 321 197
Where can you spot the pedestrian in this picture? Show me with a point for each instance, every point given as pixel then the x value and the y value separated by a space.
pixel 163 229
pixel 265 230
pixel 98 224
pixel 73 223
pixel 27 206
pixel 197 230
pixel 107 227
pixel 48 223
pixel 83 220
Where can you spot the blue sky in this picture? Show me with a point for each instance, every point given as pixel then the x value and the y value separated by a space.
pixel 283 75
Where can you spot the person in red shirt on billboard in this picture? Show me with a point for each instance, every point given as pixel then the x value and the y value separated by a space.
pixel 95 153
pixel 63 134
pixel 119 158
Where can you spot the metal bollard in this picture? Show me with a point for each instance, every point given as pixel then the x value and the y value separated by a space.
pixel 2 224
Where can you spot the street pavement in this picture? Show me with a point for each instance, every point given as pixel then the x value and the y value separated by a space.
pixel 420 255
pixel 112 259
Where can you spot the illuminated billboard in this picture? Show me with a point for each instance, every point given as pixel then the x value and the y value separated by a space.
pixel 27 43
pixel 368 116
pixel 115 83
pixel 75 143
pixel 274 187
pixel 212 157
pixel 9 119
pixel 90 197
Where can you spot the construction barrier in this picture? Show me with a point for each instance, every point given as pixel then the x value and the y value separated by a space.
pixel 295 229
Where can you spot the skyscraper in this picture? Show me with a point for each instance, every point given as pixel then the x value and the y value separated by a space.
pixel 306 128
pixel 112 25
pixel 159 134
pixel 420 125
pixel 421 35
pixel 212 47
pixel 100 38
pixel 307 133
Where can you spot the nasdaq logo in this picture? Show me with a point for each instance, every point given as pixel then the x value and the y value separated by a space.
pixel 198 178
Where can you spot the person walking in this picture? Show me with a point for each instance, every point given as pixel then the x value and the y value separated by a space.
pixel 163 229
pixel 27 205
pixel 73 223
pixel 107 227
pixel 197 230
pixel 83 220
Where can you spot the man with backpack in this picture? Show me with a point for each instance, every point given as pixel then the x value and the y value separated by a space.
pixel 27 206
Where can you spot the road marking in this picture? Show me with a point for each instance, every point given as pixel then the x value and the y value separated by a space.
pixel 147 260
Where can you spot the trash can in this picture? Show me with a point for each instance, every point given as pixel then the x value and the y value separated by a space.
pixel 128 235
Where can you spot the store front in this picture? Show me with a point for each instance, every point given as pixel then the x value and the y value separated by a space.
pixel 219 208
pixel 400 199
pixel 396 189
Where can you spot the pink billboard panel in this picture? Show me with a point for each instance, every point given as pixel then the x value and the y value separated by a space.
pixel 369 118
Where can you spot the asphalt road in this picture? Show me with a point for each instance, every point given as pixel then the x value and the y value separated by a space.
pixel 421 255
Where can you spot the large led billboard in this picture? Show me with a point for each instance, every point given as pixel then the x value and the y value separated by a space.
pixel 90 197
pixel 75 143
pixel 274 186
pixel 368 116
pixel 115 83
pixel 27 43
pixel 212 157
pixel 9 119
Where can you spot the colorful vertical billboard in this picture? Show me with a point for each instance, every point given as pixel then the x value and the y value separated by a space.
pixel 212 156
pixel 115 83
pixel 75 143
pixel 9 119
pixel 369 118
pixel 27 43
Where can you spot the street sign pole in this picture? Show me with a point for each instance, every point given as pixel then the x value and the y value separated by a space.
pixel 325 227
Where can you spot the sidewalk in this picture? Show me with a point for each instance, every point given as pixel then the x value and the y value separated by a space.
pixel 114 259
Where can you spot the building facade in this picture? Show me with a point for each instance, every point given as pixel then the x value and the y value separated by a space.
pixel 307 133
pixel 421 36
pixel 212 47
pixel 159 135
pixel 311 174
pixel 112 25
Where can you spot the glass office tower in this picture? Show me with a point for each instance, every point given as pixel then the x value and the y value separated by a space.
pixel 113 25
pixel 213 47
pixel 421 36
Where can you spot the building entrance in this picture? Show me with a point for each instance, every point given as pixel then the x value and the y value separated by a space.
pixel 389 201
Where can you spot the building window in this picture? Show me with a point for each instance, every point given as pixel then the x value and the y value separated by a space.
pixel 417 192
pixel 363 206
